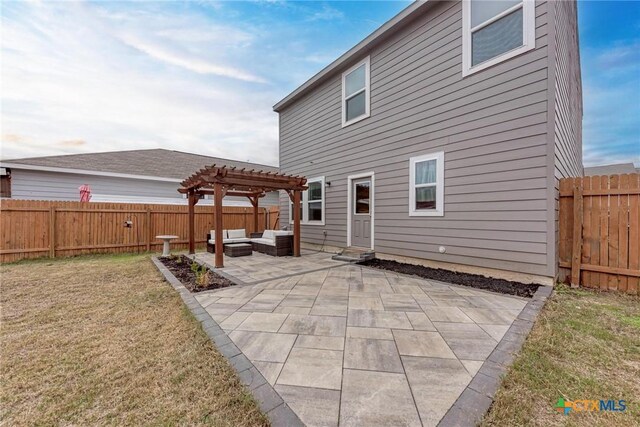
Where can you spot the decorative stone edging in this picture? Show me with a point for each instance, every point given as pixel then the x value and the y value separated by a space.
pixel 475 400
pixel 270 402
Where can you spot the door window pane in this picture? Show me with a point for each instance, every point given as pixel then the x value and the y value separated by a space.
pixel 497 38
pixel 356 106
pixel 315 211
pixel 426 198
pixel 362 197
pixel 482 11
pixel 355 81
pixel 426 172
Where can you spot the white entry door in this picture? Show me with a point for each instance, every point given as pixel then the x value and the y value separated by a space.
pixel 361 212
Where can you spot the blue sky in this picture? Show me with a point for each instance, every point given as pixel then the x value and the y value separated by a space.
pixel 202 76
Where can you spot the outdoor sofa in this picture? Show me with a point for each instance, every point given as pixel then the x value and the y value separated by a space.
pixel 271 242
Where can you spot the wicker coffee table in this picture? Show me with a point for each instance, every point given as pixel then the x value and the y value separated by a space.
pixel 237 249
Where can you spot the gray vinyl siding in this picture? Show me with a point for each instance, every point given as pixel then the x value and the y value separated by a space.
pixel 568 93
pixel 491 125
pixel 42 185
pixel 565 128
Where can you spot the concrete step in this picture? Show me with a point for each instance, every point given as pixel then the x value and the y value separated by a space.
pixel 354 255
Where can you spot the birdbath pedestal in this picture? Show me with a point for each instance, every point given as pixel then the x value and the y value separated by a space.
pixel 167 241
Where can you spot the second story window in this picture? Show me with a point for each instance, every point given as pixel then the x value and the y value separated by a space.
pixel 494 31
pixel 355 93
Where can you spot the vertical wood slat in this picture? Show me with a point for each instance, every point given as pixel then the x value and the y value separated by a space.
pixel 576 249
pixel 565 217
pixel 614 246
pixel 594 237
pixel 633 283
pixel 52 232
pixel 604 231
pixel 623 231
pixel 147 225
pixel 586 224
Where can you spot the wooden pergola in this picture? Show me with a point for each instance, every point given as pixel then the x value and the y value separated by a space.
pixel 221 181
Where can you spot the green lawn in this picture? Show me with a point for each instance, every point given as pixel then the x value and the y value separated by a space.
pixel 585 345
pixel 104 340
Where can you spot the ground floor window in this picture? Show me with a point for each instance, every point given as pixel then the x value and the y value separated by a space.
pixel 311 203
pixel 426 188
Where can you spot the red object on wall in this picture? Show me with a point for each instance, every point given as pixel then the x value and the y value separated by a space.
pixel 85 192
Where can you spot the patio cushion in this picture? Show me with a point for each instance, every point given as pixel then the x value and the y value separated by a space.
pixel 213 242
pixel 268 234
pixel 239 240
pixel 264 241
pixel 213 234
pixel 237 234
pixel 282 233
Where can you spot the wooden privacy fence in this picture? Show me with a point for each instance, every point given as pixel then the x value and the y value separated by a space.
pixel 599 242
pixel 32 228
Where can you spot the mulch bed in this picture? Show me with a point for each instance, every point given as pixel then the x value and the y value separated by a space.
pixel 180 266
pixel 465 279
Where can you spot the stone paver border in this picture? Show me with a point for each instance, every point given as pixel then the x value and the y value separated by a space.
pixel 476 399
pixel 469 408
pixel 270 402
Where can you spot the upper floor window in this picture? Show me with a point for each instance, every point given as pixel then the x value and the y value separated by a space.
pixel 355 93
pixel 426 188
pixel 311 203
pixel 494 31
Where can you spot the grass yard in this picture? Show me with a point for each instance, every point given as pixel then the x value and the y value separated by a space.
pixel 104 340
pixel 585 345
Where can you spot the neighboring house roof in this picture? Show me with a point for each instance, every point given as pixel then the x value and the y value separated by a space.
pixel 159 164
pixel 375 38
pixel 614 169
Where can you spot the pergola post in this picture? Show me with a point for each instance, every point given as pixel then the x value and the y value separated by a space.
pixel 254 202
pixel 217 200
pixel 296 222
pixel 193 200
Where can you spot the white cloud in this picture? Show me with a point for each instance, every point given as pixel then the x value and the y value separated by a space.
pixel 188 62
pixel 327 13
pixel 68 76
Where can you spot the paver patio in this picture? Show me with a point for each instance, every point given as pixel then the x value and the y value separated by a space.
pixel 349 345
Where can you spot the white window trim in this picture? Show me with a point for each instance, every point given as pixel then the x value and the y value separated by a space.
pixel 439 210
pixel 304 201
pixel 354 206
pixel 528 35
pixel 350 180
pixel 367 89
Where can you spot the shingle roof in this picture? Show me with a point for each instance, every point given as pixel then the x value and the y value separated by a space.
pixel 154 162
pixel 614 169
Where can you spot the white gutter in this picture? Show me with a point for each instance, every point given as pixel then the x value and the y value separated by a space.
pixel 88 172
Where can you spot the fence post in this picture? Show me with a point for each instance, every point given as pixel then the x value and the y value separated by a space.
pixel 52 232
pixel 576 251
pixel 148 225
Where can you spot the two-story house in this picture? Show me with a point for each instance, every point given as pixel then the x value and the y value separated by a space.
pixel 440 138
